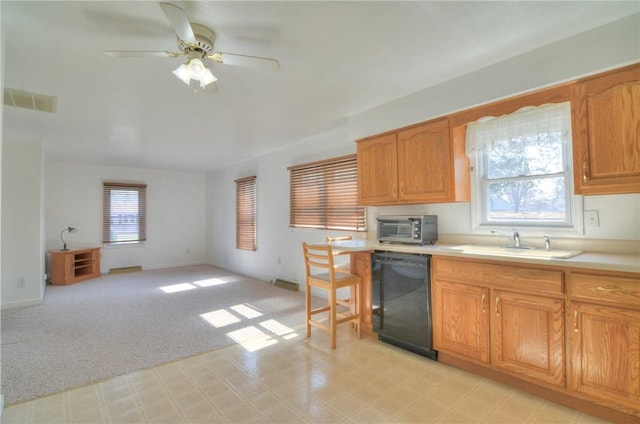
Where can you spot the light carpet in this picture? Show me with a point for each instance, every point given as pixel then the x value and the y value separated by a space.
pixel 120 323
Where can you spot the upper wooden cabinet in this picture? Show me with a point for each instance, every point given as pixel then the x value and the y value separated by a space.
pixel 377 170
pixel 606 132
pixel 417 164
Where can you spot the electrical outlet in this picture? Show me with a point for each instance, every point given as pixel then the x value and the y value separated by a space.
pixel 22 283
pixel 592 218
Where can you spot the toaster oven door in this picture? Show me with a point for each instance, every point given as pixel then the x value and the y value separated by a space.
pixel 400 231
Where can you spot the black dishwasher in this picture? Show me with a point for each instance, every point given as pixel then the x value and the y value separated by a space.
pixel 401 301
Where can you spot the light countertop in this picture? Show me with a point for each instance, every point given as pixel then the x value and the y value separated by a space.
pixel 590 260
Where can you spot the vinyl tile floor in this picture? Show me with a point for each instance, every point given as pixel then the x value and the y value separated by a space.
pixel 289 379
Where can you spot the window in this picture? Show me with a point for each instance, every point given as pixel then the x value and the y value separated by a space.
pixel 523 167
pixel 324 195
pixel 246 213
pixel 124 215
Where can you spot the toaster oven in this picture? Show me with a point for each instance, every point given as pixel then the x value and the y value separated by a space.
pixel 410 229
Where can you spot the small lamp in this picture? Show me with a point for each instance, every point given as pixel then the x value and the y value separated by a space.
pixel 64 243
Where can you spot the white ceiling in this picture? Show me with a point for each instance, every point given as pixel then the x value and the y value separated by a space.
pixel 337 59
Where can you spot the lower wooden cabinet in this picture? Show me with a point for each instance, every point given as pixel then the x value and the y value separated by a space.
pixel 528 336
pixel 73 266
pixel 567 334
pixel 491 314
pixel 461 319
pixel 604 338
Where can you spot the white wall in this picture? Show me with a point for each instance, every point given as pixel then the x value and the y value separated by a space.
pixel 22 223
pixel 176 203
pixel 279 247
pixel 279 252
pixel 605 47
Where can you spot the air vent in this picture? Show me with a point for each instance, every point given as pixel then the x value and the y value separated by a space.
pixel 29 100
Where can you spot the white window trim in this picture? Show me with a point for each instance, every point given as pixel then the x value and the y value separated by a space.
pixel 479 226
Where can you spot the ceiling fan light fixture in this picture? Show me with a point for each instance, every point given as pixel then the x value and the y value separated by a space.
pixel 182 72
pixel 194 69
pixel 207 78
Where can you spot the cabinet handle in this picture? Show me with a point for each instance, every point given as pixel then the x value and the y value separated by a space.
pixel 484 308
pixel 393 190
pixel 401 189
pixel 607 289
pixel 497 306
pixel 585 171
pixel 575 320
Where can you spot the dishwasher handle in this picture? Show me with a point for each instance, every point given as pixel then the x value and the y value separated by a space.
pixel 410 260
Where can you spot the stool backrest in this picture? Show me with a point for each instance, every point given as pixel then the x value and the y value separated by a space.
pixel 318 256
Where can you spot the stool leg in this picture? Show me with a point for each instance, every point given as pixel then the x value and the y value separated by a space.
pixel 332 316
pixel 307 303
pixel 359 308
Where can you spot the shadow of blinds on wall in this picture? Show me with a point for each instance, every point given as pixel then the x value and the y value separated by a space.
pixel 324 194
pixel 246 213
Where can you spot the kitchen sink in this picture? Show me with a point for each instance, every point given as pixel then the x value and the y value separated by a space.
pixel 531 253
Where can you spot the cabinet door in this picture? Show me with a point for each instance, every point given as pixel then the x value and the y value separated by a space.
pixel 461 320
pixel 528 336
pixel 606 133
pixel 425 163
pixel 605 353
pixel 95 263
pixel 377 170
pixel 69 268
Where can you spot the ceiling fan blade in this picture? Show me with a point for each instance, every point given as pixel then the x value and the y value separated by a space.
pixel 131 53
pixel 248 61
pixel 179 21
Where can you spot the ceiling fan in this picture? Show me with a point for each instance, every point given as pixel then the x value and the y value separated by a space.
pixel 196 42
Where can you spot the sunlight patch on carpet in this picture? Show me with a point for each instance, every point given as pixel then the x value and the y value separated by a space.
pixel 220 318
pixel 175 288
pixel 210 282
pixel 246 311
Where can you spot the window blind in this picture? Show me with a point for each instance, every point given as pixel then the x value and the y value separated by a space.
pixel 246 213
pixel 124 214
pixel 324 195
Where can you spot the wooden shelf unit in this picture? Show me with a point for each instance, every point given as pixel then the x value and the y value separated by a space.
pixel 73 266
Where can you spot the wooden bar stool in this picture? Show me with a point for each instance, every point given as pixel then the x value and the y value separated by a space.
pixel 320 257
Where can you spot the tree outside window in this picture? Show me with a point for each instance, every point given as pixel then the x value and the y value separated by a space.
pixel 522 170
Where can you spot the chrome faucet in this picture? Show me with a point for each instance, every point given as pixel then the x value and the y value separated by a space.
pixel 547 243
pixel 516 237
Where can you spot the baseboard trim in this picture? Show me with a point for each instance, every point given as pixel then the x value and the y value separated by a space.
pixel 21 303
pixel 125 270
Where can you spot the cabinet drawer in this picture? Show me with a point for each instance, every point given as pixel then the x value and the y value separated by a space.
pixel 617 289
pixel 530 279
